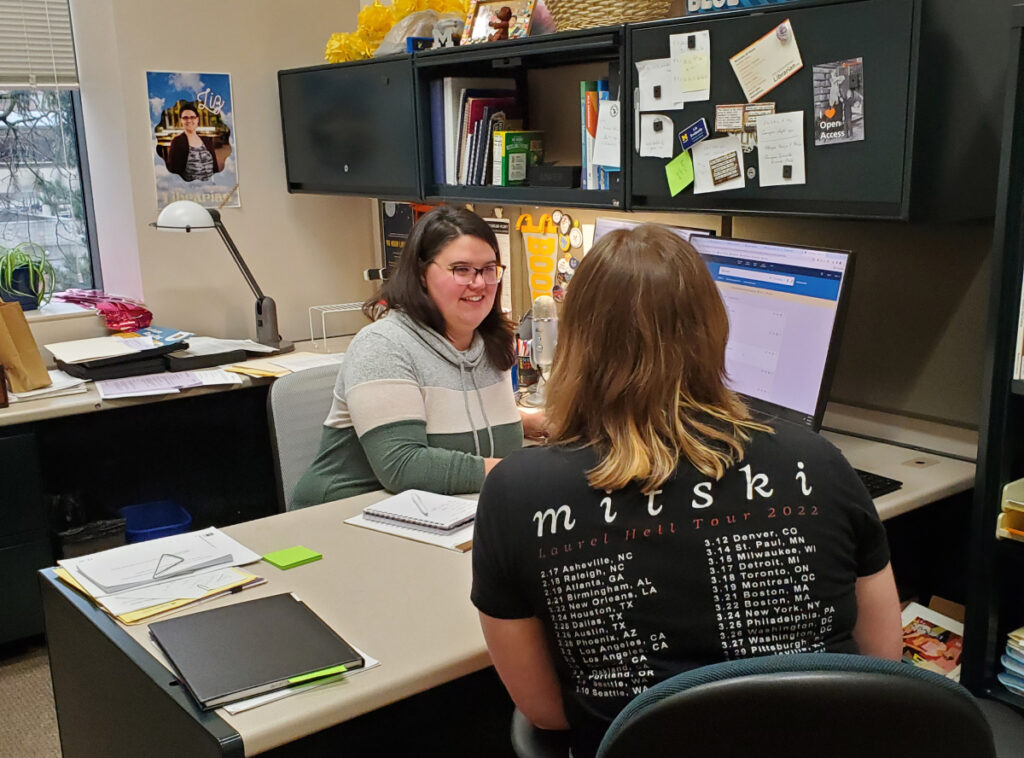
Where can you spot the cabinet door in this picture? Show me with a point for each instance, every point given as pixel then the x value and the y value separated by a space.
pixel 21 501
pixel 351 129
pixel 868 178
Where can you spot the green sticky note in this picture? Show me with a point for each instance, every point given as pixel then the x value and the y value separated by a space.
pixel 291 557
pixel 317 674
pixel 679 172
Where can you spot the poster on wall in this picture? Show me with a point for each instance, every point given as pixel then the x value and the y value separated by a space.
pixel 193 136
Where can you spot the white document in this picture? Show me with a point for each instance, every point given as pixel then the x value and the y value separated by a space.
pixel 188 587
pixel 147 384
pixel 142 563
pixel 692 65
pixel 657 135
pixel 60 384
pixel 215 376
pixel 608 141
pixel 208 345
pixel 301 361
pixel 768 62
pixel 717 164
pixel 139 343
pixel 780 143
pixel 78 351
pixel 269 697
pixel 658 86
pixel 459 540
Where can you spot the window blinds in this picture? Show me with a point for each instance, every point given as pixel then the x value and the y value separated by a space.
pixel 36 48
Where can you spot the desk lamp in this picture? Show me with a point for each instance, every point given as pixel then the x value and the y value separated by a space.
pixel 187 216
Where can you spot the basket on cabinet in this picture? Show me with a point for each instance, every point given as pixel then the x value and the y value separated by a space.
pixel 573 14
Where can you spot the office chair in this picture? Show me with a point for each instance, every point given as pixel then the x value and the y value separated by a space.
pixel 805 705
pixel 296 408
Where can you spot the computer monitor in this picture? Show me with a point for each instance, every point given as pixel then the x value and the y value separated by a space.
pixel 786 307
pixel 604 225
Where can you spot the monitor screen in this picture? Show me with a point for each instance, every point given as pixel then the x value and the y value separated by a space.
pixel 604 225
pixel 785 306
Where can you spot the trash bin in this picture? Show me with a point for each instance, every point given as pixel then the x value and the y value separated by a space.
pixel 148 521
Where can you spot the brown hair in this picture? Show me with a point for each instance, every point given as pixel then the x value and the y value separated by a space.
pixel 405 290
pixel 639 373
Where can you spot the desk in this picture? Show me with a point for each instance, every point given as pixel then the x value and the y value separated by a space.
pixel 207 448
pixel 405 603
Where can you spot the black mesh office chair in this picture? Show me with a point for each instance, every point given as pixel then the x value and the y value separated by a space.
pixel 808 705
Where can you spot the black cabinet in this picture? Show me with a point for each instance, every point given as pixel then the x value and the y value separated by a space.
pixel 867 178
pixel 930 110
pixel 351 129
pixel 995 602
pixel 24 539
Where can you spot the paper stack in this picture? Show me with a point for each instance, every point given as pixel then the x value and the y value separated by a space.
pixel 138 581
pixel 1012 675
pixel 279 365
pixel 163 384
pixel 61 384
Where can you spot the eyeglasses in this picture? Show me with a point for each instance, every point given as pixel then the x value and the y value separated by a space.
pixel 190 118
pixel 491 273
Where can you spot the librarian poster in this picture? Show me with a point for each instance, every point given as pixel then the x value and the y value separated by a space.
pixel 192 121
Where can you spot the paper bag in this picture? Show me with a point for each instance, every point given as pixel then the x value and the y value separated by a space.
pixel 18 351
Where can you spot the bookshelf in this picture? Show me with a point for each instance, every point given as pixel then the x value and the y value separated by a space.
pixel 995 602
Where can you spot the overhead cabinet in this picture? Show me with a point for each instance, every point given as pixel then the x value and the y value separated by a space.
pixel 926 96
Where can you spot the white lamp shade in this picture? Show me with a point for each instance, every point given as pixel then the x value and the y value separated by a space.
pixel 184 216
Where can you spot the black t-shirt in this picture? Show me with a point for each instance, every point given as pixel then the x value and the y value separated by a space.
pixel 633 589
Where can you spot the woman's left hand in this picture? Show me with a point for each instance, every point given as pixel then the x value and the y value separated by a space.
pixel 535 424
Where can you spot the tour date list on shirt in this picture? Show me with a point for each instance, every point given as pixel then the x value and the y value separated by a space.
pixel 755 560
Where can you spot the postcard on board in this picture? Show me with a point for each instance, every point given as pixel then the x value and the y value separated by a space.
pixel 780 149
pixel 768 62
pixel 839 102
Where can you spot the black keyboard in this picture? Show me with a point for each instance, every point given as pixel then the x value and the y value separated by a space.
pixel 877 484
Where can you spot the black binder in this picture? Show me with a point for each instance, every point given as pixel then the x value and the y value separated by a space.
pixel 246 649
pixel 149 361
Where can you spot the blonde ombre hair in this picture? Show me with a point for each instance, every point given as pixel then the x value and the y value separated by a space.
pixel 639 373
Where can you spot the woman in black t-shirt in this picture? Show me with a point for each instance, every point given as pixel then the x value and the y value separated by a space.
pixel 664 529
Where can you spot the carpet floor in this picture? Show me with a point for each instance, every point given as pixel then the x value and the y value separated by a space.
pixel 28 726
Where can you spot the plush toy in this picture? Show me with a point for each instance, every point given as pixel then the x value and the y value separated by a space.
pixel 500 24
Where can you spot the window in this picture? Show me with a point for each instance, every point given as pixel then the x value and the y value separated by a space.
pixel 43 194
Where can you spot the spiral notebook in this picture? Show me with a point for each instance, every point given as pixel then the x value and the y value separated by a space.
pixel 424 509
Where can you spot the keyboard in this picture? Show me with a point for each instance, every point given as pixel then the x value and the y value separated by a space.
pixel 877 484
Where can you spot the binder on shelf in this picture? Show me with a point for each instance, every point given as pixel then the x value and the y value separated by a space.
pixel 242 650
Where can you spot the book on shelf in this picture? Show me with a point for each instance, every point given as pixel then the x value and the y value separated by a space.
pixel 242 650
pixel 585 148
pixel 442 513
pixel 453 92
pixel 513 151
pixel 476 109
pixel 932 640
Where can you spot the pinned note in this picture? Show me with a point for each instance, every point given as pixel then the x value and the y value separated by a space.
pixel 691 58
pixel 656 136
pixel 657 86
pixel 679 172
pixel 606 144
pixel 780 148
pixel 718 165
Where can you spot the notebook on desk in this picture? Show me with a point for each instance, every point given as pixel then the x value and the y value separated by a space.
pixel 424 509
pixel 246 649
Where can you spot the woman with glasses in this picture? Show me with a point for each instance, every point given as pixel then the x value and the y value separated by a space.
pixel 424 396
pixel 664 529
pixel 191 155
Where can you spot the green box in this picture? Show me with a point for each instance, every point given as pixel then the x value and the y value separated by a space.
pixel 513 151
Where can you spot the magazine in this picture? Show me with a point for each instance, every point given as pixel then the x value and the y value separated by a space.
pixel 932 641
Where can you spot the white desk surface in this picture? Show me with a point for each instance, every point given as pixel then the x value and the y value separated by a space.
pixel 405 603
pixel 90 401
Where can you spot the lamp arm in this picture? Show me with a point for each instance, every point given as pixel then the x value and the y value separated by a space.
pixel 249 279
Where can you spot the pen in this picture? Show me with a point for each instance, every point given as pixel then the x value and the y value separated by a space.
pixel 419 506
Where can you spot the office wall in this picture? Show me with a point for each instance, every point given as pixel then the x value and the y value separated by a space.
pixel 303 250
